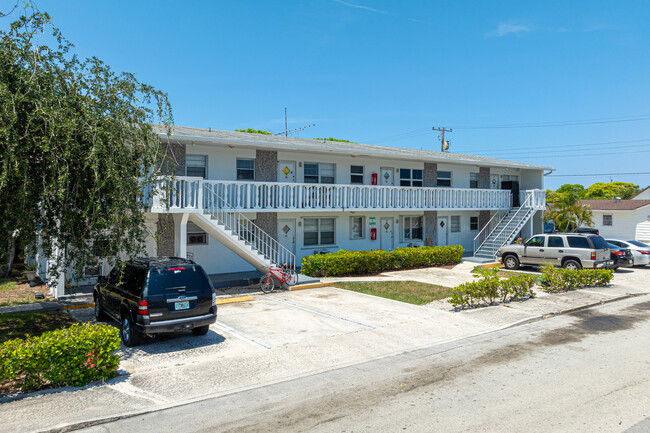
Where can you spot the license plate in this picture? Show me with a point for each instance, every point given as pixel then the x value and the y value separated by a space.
pixel 182 305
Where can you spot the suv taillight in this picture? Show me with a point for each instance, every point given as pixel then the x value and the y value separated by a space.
pixel 619 253
pixel 143 308
pixel 593 255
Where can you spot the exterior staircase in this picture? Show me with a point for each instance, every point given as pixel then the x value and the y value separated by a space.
pixel 240 234
pixel 502 229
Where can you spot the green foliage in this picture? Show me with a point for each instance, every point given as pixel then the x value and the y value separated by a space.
pixel 560 280
pixel 345 262
pixel 253 131
pixel 609 191
pixel 491 289
pixel 567 212
pixel 335 139
pixel 77 147
pixel 568 187
pixel 70 356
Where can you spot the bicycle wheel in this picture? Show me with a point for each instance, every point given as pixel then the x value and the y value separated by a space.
pixel 293 277
pixel 266 284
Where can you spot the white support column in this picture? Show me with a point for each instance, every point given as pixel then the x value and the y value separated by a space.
pixel 183 235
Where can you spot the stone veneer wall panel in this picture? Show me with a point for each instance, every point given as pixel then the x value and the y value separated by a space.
pixel 268 222
pixel 430 175
pixel 430 226
pixel 266 166
pixel 176 153
pixel 165 229
pixel 484 177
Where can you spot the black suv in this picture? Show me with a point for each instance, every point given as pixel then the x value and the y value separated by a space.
pixel 153 295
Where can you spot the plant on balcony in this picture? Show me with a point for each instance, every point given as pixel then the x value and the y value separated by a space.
pixel 345 262
pixel 77 147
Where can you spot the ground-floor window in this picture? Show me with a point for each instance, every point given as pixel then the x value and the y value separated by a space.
pixel 319 231
pixel 473 223
pixel 607 220
pixel 454 225
pixel 357 224
pixel 412 228
pixel 196 236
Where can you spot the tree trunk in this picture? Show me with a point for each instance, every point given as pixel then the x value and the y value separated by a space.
pixel 10 254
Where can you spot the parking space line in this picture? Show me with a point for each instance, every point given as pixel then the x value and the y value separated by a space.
pixel 319 312
pixel 134 391
pixel 255 342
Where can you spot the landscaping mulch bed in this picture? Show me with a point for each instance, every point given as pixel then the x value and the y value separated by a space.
pixel 16 291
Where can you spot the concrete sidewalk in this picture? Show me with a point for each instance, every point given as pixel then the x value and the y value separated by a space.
pixel 280 337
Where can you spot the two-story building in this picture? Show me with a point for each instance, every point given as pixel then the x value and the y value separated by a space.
pixel 244 201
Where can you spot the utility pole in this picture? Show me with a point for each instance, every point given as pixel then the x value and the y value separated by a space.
pixel 286 131
pixel 442 136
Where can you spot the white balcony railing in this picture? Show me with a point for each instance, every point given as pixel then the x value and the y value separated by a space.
pixel 285 197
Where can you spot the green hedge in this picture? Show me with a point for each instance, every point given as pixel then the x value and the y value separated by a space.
pixel 344 262
pixel 491 289
pixel 560 280
pixel 68 356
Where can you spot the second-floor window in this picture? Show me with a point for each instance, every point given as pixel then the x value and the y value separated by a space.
pixel 473 180
pixel 196 165
pixel 607 220
pixel 245 169
pixel 410 177
pixel 319 231
pixel 444 178
pixel 356 174
pixel 319 172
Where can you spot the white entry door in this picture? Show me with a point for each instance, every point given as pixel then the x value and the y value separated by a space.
pixel 442 230
pixel 287 236
pixel 287 171
pixel 386 176
pixel 494 181
pixel 386 234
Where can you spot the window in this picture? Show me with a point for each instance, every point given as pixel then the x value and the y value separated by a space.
pixel 473 223
pixel 412 228
pixel 507 177
pixel 555 242
pixel 408 177
pixel 357 225
pixel 455 224
pixel 319 231
pixel 444 178
pixel 318 172
pixel 356 174
pixel 196 236
pixel 578 242
pixel 607 220
pixel 245 169
pixel 537 241
pixel 196 165
pixel 473 180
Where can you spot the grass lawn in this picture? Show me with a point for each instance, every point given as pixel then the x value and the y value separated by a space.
pixel 412 292
pixel 13 291
pixel 502 273
pixel 16 325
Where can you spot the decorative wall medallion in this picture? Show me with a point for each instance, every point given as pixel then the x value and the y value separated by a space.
pixel 286 171
pixel 386 175
pixel 386 226
pixel 286 229
pixel 442 223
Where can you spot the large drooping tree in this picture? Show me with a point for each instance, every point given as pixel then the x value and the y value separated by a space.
pixel 76 148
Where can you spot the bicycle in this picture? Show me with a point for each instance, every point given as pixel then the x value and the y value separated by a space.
pixel 281 276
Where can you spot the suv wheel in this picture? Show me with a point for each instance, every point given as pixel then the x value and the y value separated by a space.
pixel 572 264
pixel 130 337
pixel 511 262
pixel 201 330
pixel 100 316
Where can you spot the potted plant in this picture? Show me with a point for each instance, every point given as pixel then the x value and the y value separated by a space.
pixel 30 271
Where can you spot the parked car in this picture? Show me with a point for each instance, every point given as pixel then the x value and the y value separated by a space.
pixel 148 296
pixel 622 257
pixel 640 251
pixel 568 250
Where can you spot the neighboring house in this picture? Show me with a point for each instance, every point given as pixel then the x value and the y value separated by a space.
pixel 621 218
pixel 644 194
pixel 246 201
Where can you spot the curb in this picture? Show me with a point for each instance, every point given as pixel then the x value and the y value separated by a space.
pixel 491 265
pixel 309 286
pixel 77 306
pixel 233 300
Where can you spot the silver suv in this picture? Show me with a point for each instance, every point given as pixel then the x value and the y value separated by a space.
pixel 568 250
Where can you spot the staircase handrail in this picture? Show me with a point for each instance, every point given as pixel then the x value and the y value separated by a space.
pixel 514 217
pixel 246 230
pixel 486 227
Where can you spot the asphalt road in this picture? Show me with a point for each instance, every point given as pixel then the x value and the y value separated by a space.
pixel 586 371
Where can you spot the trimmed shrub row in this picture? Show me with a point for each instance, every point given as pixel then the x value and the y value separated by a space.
pixel 344 262
pixel 491 289
pixel 68 356
pixel 560 280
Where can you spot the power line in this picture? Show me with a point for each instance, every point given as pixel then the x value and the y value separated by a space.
pixel 587 155
pixel 600 174
pixel 637 118
pixel 569 147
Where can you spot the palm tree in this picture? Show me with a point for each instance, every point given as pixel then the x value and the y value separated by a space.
pixel 568 213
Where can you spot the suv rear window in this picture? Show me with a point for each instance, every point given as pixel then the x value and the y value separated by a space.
pixel 599 242
pixel 578 242
pixel 188 276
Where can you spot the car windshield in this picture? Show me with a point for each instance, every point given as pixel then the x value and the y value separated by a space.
pixel 638 244
pixel 174 277
pixel 599 242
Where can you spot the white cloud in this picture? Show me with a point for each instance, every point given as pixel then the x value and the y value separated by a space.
pixel 507 29
pixel 361 7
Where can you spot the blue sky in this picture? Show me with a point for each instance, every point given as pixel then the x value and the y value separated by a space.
pixel 383 72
